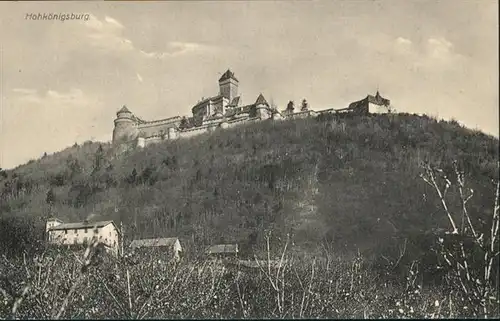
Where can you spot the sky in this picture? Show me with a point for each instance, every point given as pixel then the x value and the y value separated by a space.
pixel 62 82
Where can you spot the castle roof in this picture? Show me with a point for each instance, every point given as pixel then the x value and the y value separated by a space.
pixel 228 75
pixel 377 99
pixel 235 101
pixel 206 101
pixel 261 100
pixel 124 109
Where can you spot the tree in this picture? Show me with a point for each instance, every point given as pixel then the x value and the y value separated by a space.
pixel 133 177
pixel 51 197
pixel 470 250
pixel 99 158
pixel 290 107
pixel 304 106
pixel 184 123
pixel 74 167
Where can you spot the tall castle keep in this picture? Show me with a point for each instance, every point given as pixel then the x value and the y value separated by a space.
pixel 222 111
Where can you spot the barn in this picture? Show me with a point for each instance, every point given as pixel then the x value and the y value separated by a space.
pixel 169 246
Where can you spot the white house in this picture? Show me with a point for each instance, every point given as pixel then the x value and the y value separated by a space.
pixel 170 245
pixel 105 232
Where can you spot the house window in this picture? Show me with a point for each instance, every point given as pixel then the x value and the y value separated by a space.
pixel 65 231
pixel 76 231
pixel 86 230
pixel 96 230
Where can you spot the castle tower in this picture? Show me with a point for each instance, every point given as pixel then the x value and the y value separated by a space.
pixel 228 85
pixel 125 126
pixel 262 107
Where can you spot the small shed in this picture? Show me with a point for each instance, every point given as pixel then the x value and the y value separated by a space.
pixel 170 245
pixel 223 250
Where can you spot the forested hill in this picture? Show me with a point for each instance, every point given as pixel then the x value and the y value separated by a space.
pixel 345 184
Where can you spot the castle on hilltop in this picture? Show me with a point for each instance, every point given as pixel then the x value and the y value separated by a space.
pixel 222 111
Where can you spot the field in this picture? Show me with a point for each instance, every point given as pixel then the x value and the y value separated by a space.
pixel 60 284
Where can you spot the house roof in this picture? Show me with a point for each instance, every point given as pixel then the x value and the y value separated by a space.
pixel 82 225
pixel 228 75
pixel 124 109
pixel 153 242
pixel 54 219
pixel 261 100
pixel 222 248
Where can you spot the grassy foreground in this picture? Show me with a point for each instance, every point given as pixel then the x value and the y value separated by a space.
pixel 60 284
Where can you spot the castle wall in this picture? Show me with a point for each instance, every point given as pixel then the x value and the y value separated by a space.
pixel 377 109
pixel 152 140
pixel 213 121
pixel 192 132
pixel 301 114
pixel 277 116
pixel 151 129
pixel 141 142
pixel 238 122
pixel 210 126
pixel 263 113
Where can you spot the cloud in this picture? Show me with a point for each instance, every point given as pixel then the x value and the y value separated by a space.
pixel 439 48
pixel 51 97
pixel 436 54
pixel 403 41
pixel 24 91
pixel 177 49
pixel 113 22
pixel 108 35
pixel 403 46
